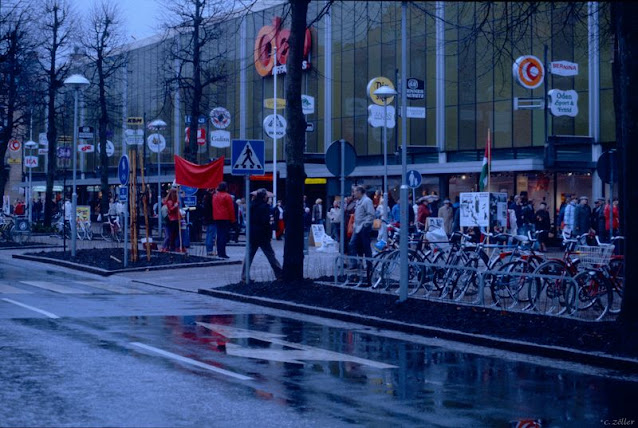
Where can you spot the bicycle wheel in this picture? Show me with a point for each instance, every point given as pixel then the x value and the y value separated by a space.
pixel 508 282
pixel 547 295
pixel 451 277
pixel 594 293
pixel 467 284
pixel 20 236
pixel 377 270
pixel 106 232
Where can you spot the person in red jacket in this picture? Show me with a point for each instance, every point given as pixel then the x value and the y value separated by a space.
pixel 224 215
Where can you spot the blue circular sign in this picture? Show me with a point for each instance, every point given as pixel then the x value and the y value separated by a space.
pixel 123 170
pixel 413 178
pixel 189 191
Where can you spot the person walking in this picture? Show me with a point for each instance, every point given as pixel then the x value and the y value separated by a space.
pixel 334 215
pixel 224 215
pixel 543 223
pixel 569 219
pixel 446 212
pixel 261 234
pixel 317 212
pixel 612 216
pixel 174 217
pixel 582 217
pixel 598 218
pixel 209 221
pixel 363 219
pixel 423 212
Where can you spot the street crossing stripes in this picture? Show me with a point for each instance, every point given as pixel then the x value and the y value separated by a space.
pixel 97 287
pixel 51 286
pixel 7 289
pixel 110 287
pixel 32 308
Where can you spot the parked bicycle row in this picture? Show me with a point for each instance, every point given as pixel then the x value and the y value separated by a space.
pixel 499 270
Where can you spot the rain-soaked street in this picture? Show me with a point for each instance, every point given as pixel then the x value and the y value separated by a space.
pixel 86 351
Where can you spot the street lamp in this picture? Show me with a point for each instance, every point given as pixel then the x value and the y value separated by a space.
pixel 30 145
pixel 158 125
pixel 77 82
pixel 384 93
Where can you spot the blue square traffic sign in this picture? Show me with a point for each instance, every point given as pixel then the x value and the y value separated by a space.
pixel 248 157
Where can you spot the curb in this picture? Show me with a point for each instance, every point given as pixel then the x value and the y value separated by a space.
pixel 588 358
pixel 105 272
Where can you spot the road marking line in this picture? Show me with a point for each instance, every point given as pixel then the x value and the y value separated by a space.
pixel 7 289
pixel 110 287
pixel 43 312
pixel 55 287
pixel 191 361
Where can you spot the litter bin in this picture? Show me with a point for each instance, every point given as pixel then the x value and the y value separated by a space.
pixel 186 242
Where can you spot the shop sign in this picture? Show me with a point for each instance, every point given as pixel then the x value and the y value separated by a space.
pixel 201 120
pixel 31 161
pixel 563 103
pixel 271 36
pixel 275 126
pixel 269 103
pixel 156 143
pixel 135 121
pixel 375 84
pixel 528 71
pixel 14 161
pixel 86 132
pixel 110 148
pixel 415 89
pixel 415 112
pixel 201 136
pixel 43 151
pixel 220 139
pixel 307 104
pixel 83 212
pixel 15 145
pixel 134 137
pixel 375 117
pixel 86 148
pixel 42 139
pixel 563 68
pixel 220 117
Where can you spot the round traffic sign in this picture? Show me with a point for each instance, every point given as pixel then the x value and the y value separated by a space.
pixel 123 170
pixel 333 158
pixel 14 145
pixel 156 142
pixel 528 71
pixel 110 148
pixel 413 178
pixel 607 167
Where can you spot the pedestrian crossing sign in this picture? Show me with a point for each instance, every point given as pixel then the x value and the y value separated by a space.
pixel 248 157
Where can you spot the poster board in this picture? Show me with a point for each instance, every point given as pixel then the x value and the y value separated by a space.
pixel 317 232
pixel 83 213
pixel 434 223
pixel 483 209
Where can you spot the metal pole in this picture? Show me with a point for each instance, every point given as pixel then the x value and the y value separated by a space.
pixel 274 149
pixel 342 226
pixel 385 158
pixel 403 236
pixel 247 220
pixel 74 197
pixel 159 199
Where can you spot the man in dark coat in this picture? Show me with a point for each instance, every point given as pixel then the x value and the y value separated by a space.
pixel 582 220
pixel 261 234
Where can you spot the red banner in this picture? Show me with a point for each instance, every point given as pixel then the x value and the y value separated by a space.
pixel 199 176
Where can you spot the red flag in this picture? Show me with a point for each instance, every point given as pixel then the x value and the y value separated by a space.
pixel 199 176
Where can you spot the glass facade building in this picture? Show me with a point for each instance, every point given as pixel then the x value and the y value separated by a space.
pixel 462 51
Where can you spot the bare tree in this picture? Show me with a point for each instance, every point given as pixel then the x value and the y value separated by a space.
pixel 18 83
pixel 194 26
pixel 103 41
pixel 57 25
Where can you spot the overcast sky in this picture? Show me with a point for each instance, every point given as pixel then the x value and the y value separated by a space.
pixel 140 16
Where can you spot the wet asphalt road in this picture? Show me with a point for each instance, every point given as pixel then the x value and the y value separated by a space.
pixel 80 351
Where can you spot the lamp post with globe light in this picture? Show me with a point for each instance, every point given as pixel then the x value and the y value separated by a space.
pixel 384 93
pixel 158 125
pixel 77 82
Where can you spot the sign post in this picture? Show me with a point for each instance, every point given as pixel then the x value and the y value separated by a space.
pixel 123 170
pixel 247 158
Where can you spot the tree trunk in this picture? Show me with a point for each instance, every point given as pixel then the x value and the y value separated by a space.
pixel 102 125
pixel 295 141
pixel 625 71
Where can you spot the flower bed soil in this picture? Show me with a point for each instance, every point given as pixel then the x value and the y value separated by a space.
pixel 609 337
pixel 111 259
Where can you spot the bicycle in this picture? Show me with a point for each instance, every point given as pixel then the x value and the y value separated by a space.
pixel 84 230
pixel 592 287
pixel 111 230
pixel 617 275
pixel 14 229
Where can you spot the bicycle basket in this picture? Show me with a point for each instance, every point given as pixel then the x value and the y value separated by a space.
pixel 594 256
